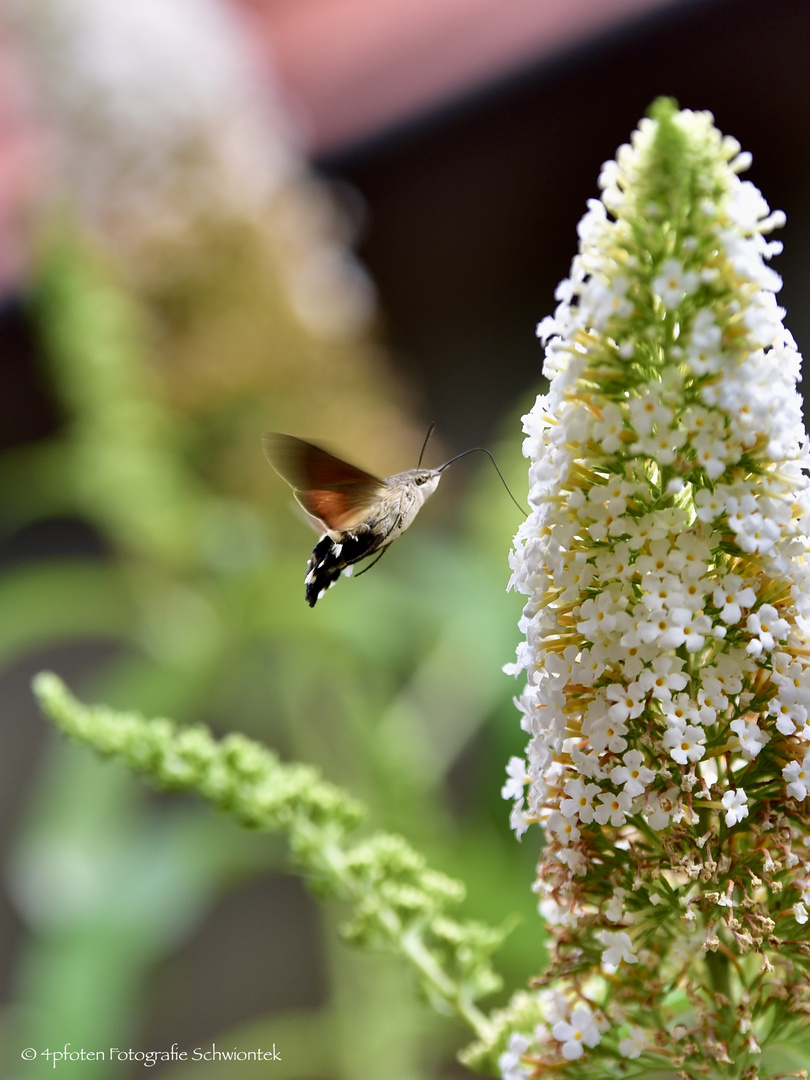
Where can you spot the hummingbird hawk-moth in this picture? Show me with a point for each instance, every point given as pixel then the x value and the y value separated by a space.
pixel 361 515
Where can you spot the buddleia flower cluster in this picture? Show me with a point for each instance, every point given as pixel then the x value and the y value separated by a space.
pixel 667 632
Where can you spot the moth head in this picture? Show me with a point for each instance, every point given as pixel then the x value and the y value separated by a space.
pixel 421 482
pixel 426 481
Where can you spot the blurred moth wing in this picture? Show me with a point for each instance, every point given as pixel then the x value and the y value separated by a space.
pixel 338 495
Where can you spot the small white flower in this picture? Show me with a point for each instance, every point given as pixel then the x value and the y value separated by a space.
pixel 605 734
pixel 588 764
pixel 632 773
pixel 633 1045
pixel 647 412
pixel 767 628
pixel 581 1031
pixel 608 431
pixel 757 534
pixel 580 800
pixel 711 700
pixel 673 284
pixel 685 744
pixel 800 913
pixel 618 949
pixel 627 701
pixel 664 677
pixel 703 360
pixel 519 820
pixel 709 505
pixel 664 628
pixel 615 909
pixel 796 775
pixel 516 771
pixel 509 1062
pixel 731 597
pixel 735 804
pixel 597 617
pixel 751 737
pixel 712 455
pixel 695 631
pixel 562 828
pixel 613 808
pixel 680 711
pixel 602 300
pixel 659 809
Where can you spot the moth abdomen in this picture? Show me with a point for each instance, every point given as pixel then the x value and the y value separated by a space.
pixel 330 558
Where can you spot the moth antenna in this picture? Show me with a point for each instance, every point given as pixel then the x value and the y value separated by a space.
pixel 484 450
pixel 430 431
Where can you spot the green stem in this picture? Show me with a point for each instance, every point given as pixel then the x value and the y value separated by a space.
pixel 718 967
pixel 410 945
pixel 244 779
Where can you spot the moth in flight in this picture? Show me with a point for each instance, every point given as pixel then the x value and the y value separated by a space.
pixel 360 514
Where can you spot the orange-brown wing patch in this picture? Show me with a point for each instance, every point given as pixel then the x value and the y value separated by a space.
pixel 341 507
pixel 333 491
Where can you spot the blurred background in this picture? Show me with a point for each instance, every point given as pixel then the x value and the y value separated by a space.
pixel 341 219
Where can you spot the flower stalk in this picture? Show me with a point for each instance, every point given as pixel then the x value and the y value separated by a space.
pixel 398 904
pixel 666 653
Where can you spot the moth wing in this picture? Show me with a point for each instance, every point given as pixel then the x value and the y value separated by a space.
pixel 304 466
pixel 334 492
pixel 340 510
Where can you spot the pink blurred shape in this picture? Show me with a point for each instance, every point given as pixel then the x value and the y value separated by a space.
pixel 22 165
pixel 354 67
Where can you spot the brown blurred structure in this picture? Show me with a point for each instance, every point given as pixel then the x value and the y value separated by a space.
pixel 474 130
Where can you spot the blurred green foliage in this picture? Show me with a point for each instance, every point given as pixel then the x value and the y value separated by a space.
pixel 398 903
pixel 392 686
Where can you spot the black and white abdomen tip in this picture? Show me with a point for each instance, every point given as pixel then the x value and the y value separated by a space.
pixel 330 558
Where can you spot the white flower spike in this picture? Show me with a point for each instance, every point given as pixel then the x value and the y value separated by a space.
pixel 667 626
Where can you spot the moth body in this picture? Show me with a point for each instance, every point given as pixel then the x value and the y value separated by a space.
pixel 338 549
pixel 360 515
